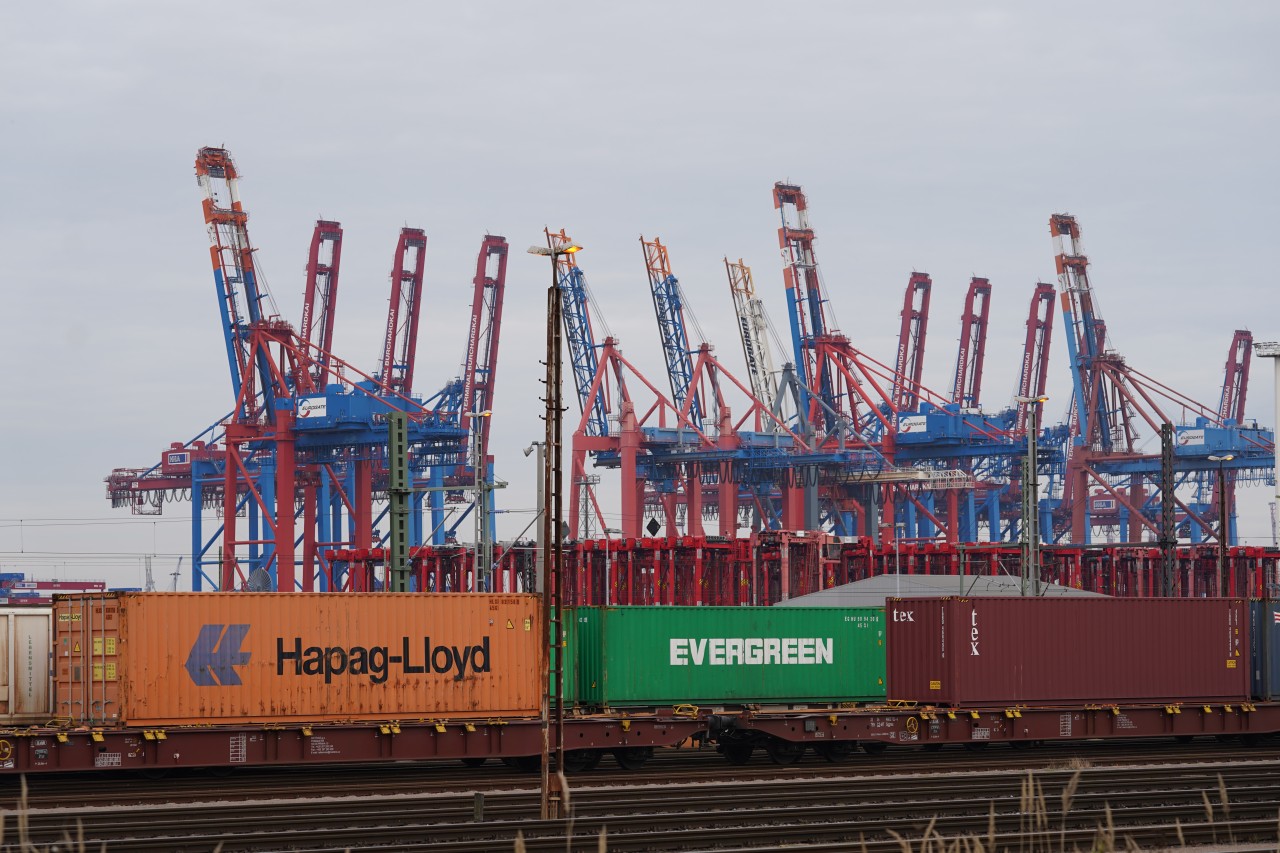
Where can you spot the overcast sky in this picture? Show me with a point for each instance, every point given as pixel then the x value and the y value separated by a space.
pixel 938 139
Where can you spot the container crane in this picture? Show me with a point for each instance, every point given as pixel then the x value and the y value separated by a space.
pixel 847 390
pixel 1235 389
pixel 1112 400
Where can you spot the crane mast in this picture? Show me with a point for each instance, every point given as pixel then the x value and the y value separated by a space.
pixel 399 348
pixel 240 293
pixel 1034 376
pixel 319 304
pixel 909 370
pixel 668 306
pixel 967 390
pixel 752 328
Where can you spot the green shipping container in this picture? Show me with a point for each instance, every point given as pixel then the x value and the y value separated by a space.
pixel 728 655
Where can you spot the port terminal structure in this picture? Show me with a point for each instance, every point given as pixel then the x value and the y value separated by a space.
pixel 833 440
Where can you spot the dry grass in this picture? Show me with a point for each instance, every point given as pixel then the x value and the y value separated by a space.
pixel 1035 834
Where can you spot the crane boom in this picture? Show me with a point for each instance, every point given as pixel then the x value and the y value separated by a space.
pixel 480 367
pixel 1035 355
pixel 1235 383
pixel 399 348
pixel 668 306
pixel 319 305
pixel 1101 415
pixel 752 328
pixel 967 390
pixel 909 371
pixel 579 335
pixel 240 292
pixel 806 305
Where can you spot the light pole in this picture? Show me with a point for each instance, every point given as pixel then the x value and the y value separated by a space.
pixel 553 538
pixel 608 574
pixel 1031 499
pixel 539 571
pixel 484 544
pixel 1223 517
pixel 898 529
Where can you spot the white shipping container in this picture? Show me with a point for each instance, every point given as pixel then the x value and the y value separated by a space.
pixel 26 671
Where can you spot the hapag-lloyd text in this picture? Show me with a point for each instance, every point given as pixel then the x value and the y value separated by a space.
pixel 376 661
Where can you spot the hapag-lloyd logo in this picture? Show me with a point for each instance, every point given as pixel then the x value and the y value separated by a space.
pixel 216 654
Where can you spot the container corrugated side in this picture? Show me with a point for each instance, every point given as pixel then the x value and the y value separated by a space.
pixel 994 651
pixel 729 655
pixel 191 658
pixel 26 682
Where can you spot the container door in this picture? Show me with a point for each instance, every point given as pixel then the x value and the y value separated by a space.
pixel 7 664
pixel 1259 612
pixel 86 638
pixel 1271 650
pixel 31 686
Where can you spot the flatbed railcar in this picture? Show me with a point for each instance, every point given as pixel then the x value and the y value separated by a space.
pixel 595 727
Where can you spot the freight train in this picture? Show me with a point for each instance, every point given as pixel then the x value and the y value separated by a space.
pixel 153 681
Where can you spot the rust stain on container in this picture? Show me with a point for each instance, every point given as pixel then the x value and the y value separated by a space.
pixel 1008 651
pixel 192 658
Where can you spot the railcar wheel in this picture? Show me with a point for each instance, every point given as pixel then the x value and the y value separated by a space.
pixel 154 773
pixel 874 747
pixel 632 757
pixel 784 751
pixel 737 753
pixel 836 750
pixel 473 762
pixel 581 760
pixel 221 772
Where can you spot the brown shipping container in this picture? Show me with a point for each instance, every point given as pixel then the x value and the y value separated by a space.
pixel 1045 651
pixel 207 658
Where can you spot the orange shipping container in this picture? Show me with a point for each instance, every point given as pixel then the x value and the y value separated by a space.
pixel 207 658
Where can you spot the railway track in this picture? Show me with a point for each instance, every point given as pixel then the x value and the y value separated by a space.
pixel 1210 793
pixel 689 765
